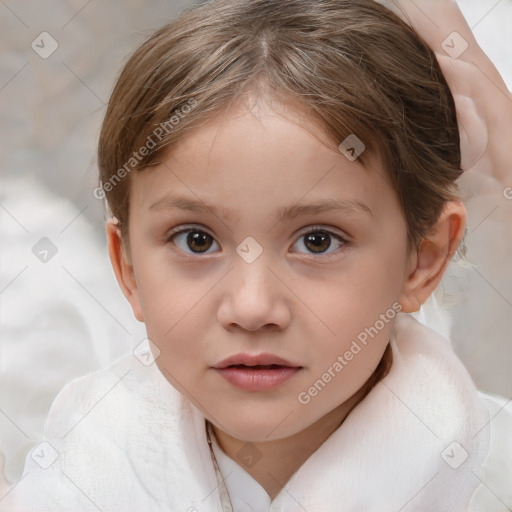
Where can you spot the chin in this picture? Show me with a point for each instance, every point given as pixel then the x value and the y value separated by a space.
pixel 262 427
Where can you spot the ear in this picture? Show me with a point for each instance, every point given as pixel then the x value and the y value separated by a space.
pixel 428 264
pixel 123 268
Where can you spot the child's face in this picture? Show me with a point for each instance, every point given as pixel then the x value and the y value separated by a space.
pixel 205 299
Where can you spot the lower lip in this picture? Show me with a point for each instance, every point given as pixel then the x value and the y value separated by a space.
pixel 257 380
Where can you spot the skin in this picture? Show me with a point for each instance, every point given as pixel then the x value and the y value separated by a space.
pixel 200 308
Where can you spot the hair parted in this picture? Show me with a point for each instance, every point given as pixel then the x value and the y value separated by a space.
pixel 352 65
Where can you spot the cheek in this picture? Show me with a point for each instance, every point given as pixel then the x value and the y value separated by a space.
pixel 359 306
pixel 346 362
pixel 176 316
pixel 354 297
pixel 178 331
pixel 167 293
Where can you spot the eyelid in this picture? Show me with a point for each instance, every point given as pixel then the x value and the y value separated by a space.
pixel 187 227
pixel 303 231
pixel 328 229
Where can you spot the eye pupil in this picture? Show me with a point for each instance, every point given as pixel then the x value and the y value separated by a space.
pixel 200 239
pixel 320 240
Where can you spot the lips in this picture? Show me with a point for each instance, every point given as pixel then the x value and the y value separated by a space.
pixel 258 373
pixel 256 366
pixel 260 361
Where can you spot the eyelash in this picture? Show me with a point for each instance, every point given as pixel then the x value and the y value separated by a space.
pixel 313 229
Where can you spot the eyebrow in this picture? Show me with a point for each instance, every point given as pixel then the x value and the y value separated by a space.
pixel 286 213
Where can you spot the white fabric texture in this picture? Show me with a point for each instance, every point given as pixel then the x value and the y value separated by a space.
pixel 126 440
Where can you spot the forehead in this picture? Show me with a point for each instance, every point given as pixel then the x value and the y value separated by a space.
pixel 260 155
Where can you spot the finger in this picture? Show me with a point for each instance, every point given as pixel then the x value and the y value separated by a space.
pixel 485 119
pixel 443 27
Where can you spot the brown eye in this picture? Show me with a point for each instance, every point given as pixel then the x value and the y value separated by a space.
pixel 199 241
pixel 192 241
pixel 319 241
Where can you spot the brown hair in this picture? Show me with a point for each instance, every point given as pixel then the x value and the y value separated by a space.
pixel 353 65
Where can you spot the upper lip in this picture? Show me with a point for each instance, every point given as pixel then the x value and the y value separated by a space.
pixel 254 360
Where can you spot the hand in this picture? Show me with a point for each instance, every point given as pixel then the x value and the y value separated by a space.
pixel 483 102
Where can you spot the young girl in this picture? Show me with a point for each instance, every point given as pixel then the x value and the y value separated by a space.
pixel 282 178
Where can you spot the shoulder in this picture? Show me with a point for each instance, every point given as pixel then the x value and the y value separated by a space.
pixel 98 433
pixel 124 402
pixel 77 401
pixel 132 386
pixel 494 494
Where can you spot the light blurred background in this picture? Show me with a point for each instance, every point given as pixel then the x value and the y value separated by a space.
pixel 64 317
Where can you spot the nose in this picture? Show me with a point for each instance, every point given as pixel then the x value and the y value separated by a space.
pixel 254 298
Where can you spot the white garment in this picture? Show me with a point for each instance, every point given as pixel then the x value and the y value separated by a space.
pixel 245 493
pixel 127 441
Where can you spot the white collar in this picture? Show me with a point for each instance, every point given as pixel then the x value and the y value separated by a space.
pixel 245 493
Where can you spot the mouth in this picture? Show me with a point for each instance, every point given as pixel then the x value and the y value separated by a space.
pixel 256 373
pixel 257 366
pixel 255 362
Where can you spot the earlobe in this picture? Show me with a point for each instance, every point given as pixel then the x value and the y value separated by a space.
pixel 122 267
pixel 429 262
